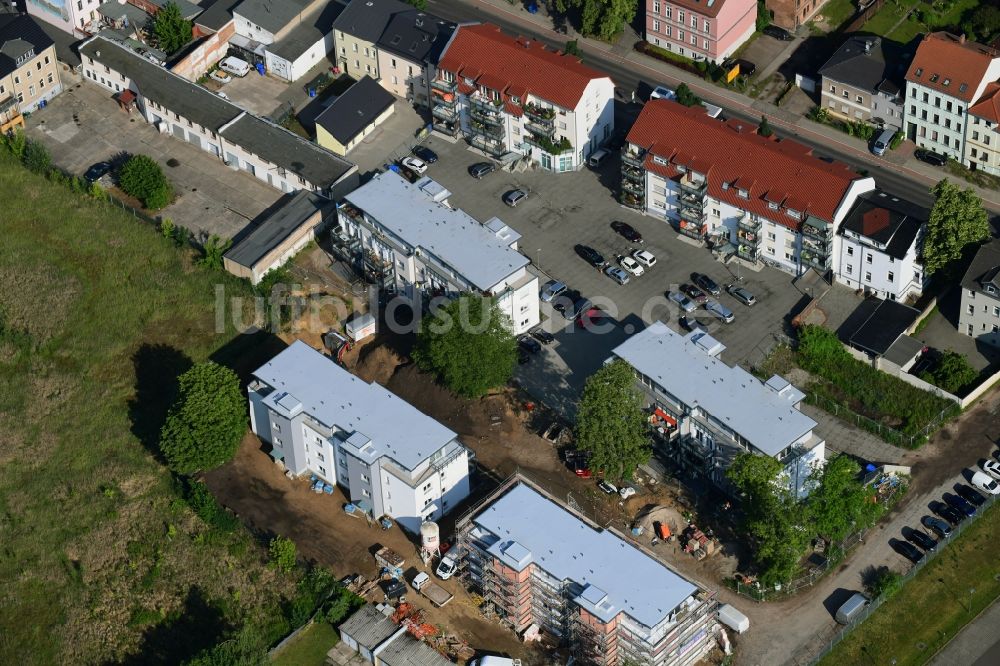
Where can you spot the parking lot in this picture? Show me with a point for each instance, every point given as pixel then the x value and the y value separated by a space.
pixel 563 210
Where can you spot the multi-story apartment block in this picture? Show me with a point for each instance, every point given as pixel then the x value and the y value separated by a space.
pixel 357 30
pixel 980 314
pixel 514 97
pixel 389 458
pixel 863 80
pixel 790 14
pixel 947 75
pixel 719 411
pixel 408 52
pixel 537 562
pixel 29 76
pixel 879 245
pixel 700 30
pixel 191 113
pixel 73 16
pixel 772 199
pixel 405 237
pixel 982 141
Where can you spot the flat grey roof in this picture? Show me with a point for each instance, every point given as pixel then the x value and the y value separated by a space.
pixel 272 15
pixel 382 423
pixel 217 15
pixel 313 28
pixel 270 232
pixel 368 626
pixel 355 110
pixel 616 575
pixel 450 234
pixel 765 418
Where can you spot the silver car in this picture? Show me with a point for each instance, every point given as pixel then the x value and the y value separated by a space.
pixel 685 303
pixel 742 295
pixel 616 274
pixel 720 311
pixel 552 289
pixel 514 197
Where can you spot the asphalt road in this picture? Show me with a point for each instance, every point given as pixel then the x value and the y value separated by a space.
pixel 631 76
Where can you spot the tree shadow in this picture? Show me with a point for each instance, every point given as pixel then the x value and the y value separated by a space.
pixel 157 368
pixel 247 352
pixel 200 624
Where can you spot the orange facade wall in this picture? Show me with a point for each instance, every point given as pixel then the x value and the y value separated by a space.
pixel 212 49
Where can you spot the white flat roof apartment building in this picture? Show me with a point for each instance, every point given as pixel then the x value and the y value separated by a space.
pixel 721 411
pixel 514 97
pixel 537 562
pixel 389 458
pixel 771 199
pixel 406 237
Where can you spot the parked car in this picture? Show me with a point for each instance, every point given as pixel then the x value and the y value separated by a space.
pixel 481 169
pixel 235 66
pixel 591 256
pixel 97 171
pixel 778 33
pixel 685 303
pixel 414 164
pixel 564 303
pixel 945 511
pixel 631 265
pixel 608 487
pixel 425 153
pixel 969 495
pixel 542 336
pixel 579 306
pixel 644 257
pixel 742 295
pixel 747 68
pixel 991 467
pixel 930 157
pixel 617 274
pixel 923 540
pixel 626 231
pixel 986 483
pixel 222 95
pixel 594 318
pixel 694 293
pixel 909 551
pixel 626 492
pixel 581 467
pixel 514 197
pixel 221 75
pixel 721 311
pixel 706 283
pixel 550 290
pixel 692 324
pixel 446 567
pixel 939 526
pixel 960 504
pixel 529 344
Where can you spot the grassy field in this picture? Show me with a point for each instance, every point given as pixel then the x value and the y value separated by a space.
pixel 101 560
pixel 836 12
pixel 310 647
pixel 933 606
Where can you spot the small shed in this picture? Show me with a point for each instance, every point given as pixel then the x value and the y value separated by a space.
pixel 361 327
pixel 366 630
pixel 353 116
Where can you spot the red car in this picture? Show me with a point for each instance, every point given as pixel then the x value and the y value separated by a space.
pixel 594 319
pixel 694 293
pixel 582 469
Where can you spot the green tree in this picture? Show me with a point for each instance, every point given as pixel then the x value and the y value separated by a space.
pixel 419 4
pixel 957 222
pixel 764 129
pixel 603 18
pixel 686 97
pixel 212 252
pixel 952 372
pixel 246 648
pixel 36 157
pixel 885 582
pixel 763 15
pixel 839 503
pixel 755 477
pixel 573 48
pixel 15 142
pixel 468 344
pixel 282 552
pixel 610 423
pixel 206 423
pixel 171 30
pixel 985 21
pixel 142 178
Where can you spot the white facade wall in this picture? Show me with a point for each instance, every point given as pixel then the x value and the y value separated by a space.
pixel 860 265
pixel 295 69
pixel 251 30
pixel 406 79
pixel 521 305
pixel 982 146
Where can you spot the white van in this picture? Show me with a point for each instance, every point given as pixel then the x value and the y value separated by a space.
pixel 235 66
pixel 882 142
pixel 597 157
pixel 851 608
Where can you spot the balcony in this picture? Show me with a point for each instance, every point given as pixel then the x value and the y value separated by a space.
pixel 633 158
pixel 486 129
pixel 488 145
pixel 692 200
pixel 820 262
pixel 693 228
pixel 548 145
pixel 444 113
pixel 818 229
pixel 541 129
pixel 693 214
pixel 444 86
pixel 696 185
pixel 539 114
pixel 812 244
pixel 632 199
pixel 486 107
pixel 8 104
pixel 748 237
pixel 749 223
pixel 631 173
pixel 376 266
pixel 634 187
pixel 748 252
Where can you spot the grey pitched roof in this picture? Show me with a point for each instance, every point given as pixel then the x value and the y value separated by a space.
pixel 272 15
pixel 368 627
pixel 984 270
pixel 886 219
pixel 416 35
pixel 882 66
pixel 253 245
pixel 367 19
pixel 66 44
pixel 312 29
pixel 217 15
pixel 355 110
pixel 405 650
pixel 876 324
pixel 18 35
pixel 287 150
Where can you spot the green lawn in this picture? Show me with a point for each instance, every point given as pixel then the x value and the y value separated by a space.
pixel 919 21
pixel 101 560
pixel 933 606
pixel 310 647
pixel 884 19
pixel 837 12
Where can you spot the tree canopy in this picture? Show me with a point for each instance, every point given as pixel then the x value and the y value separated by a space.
pixel 839 504
pixel 469 345
pixel 952 372
pixel 957 221
pixel 610 423
pixel 686 97
pixel 207 421
pixel 603 18
pixel 764 128
pixel 142 178
pixel 171 29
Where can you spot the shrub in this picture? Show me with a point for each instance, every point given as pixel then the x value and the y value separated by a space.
pixel 203 503
pixel 952 373
pixel 36 157
pixel 142 178
pixel 212 252
pixel 282 552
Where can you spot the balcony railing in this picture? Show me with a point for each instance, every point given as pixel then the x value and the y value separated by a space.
pixel 819 261
pixel 633 158
pixel 539 114
pixel 634 187
pixel 812 228
pixel 692 184
pixel 489 145
pixel 749 222
pixel 8 104
pixel 487 129
pixel 632 173
pixel 635 200
pixel 693 214
pixel 486 106
pixel 543 129
pixel 446 86
pixel 449 128
pixel 444 113
pixel 692 200
pixel 693 229
pixel 748 237
pixel 817 246
pixel 748 252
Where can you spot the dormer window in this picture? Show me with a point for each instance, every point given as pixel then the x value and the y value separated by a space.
pixel 934 78
pixel 772 205
pixel 794 214
pixel 659 160
pixel 516 100
pixel 963 87
pixel 946 82
pixel 743 193
pixel 919 72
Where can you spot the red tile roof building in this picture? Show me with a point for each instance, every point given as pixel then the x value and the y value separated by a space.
pixel 723 180
pixel 514 95
pixel 982 142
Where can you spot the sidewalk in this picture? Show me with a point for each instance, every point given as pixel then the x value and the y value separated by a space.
pixel 977 644
pixel 780 119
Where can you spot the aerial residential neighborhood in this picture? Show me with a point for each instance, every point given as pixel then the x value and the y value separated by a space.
pixel 499 333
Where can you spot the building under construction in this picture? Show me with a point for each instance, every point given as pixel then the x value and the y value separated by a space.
pixel 539 565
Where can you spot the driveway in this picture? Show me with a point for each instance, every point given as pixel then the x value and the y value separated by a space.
pixel 84 125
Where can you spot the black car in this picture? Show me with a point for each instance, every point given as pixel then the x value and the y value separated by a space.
pixel 626 231
pixel 909 551
pixel 970 495
pixel 922 539
pixel 542 336
pixel 946 512
pixel 706 283
pixel 97 171
pixel 426 154
pixel 591 256
pixel 529 344
pixel 940 527
pixel 960 504
pixel 481 169
pixel 691 324
pixel 747 68
pixel 778 33
pixel 930 157
pixel 564 301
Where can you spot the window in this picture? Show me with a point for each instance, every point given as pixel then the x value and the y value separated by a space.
pixel 770 235
pixel 694 22
pixel 366 492
pixel 833 89
pixel 859 99
pixel 704 44
pixel 656 26
pixel 355 47
pixel 969 329
pixel 694 40
pixel 927 97
pixel 868 277
pixel 743 193
pixel 680 36
pixel 322 470
pixel 670 31
pixel 708 26
pixel 364 478
pixel 320 456
pixel 868 259
pixel 974 152
pixel 343 463
pixel 656 6
pixel 850 269
pixel 996 311
pixel 975 136
pixel 971 309
pixel 772 205
pixel 891 276
pixel 948 105
pixel 680 15
pixel 670 12
pixel 846 94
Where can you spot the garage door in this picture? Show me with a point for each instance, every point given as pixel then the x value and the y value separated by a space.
pixel 195 139
pixel 179 132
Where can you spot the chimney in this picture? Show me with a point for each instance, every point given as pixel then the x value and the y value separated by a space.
pixel 961 38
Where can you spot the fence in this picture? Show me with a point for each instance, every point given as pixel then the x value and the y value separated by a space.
pixel 876 603
pixel 861 18
pixel 888 434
